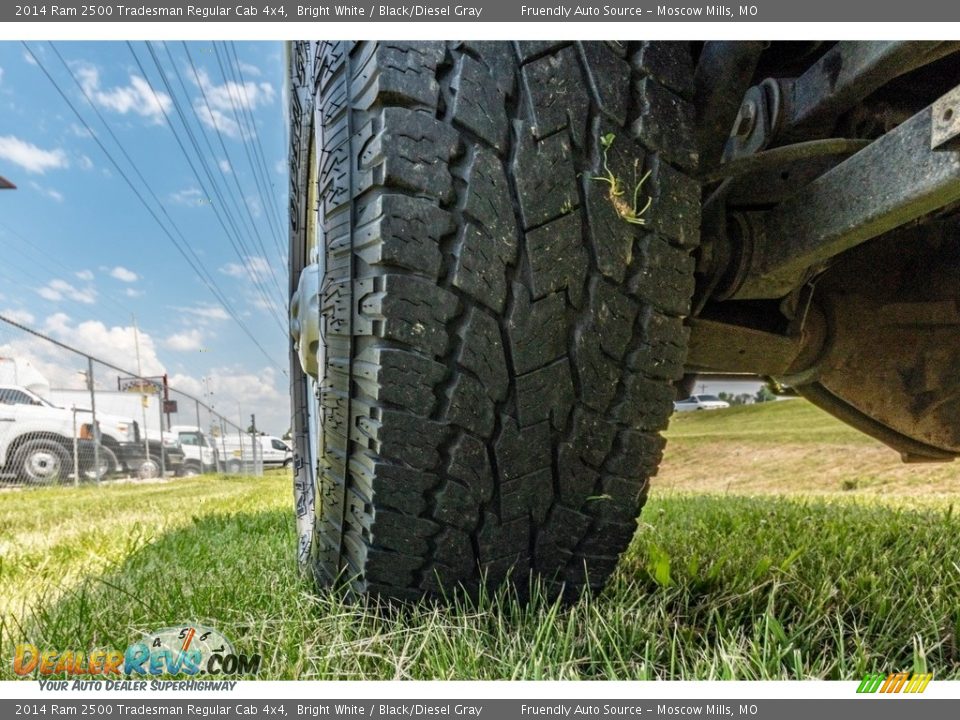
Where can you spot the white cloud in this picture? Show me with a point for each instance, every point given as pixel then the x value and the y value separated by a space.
pixel 261 392
pixel 281 167
pixel 48 191
pixel 188 196
pixel 224 165
pixel 218 120
pixel 136 97
pixel 30 157
pixel 85 162
pixel 248 69
pixel 122 274
pixel 28 58
pixel 114 344
pixel 85 275
pixel 1 74
pixel 205 312
pixel 18 315
pixel 254 267
pixel 219 103
pixel 131 293
pixel 80 131
pixel 235 388
pixel 186 341
pixel 58 289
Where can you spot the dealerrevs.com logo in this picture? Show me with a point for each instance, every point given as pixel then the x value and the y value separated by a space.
pixel 189 649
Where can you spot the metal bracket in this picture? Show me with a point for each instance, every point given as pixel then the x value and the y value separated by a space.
pixel 893 181
pixel 945 133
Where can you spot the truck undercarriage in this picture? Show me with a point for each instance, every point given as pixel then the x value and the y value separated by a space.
pixel 828 253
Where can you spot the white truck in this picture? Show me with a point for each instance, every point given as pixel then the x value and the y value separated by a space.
pixel 241 452
pixel 116 409
pixel 121 447
pixel 199 449
pixel 37 439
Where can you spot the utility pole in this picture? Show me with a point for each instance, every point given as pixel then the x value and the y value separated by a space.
pixel 143 397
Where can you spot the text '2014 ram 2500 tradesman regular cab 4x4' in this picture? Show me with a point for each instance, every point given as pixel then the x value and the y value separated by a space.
pixel 508 259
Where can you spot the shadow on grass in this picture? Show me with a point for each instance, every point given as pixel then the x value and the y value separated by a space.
pixel 711 588
pixel 232 571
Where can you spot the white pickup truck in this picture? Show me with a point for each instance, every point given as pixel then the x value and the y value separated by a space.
pixel 36 441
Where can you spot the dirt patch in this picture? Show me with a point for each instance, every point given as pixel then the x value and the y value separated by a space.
pixel 795 468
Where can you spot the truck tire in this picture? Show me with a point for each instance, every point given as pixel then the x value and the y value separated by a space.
pixel 108 465
pixel 191 468
pixel 43 462
pixel 149 468
pixel 499 331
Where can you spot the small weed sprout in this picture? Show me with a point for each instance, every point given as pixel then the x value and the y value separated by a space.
pixel 632 213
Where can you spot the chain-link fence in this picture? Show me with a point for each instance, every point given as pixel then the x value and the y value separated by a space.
pixel 69 418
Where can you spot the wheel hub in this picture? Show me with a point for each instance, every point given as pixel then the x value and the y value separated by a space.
pixel 305 318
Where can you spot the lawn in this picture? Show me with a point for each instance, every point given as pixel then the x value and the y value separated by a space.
pixel 822 582
pixel 792 447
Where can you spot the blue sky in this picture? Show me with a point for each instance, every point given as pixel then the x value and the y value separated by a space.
pixel 79 253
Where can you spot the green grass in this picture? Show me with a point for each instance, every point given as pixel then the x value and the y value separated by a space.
pixel 791 447
pixel 712 587
pixel 786 421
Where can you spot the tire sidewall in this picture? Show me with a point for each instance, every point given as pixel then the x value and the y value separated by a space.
pixel 42 451
pixel 108 460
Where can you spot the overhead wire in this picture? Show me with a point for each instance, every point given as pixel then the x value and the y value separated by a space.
pixel 200 84
pixel 136 170
pixel 231 47
pixel 241 124
pixel 235 240
pixel 208 282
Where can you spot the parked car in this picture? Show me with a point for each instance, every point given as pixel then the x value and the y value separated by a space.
pixel 37 439
pixel 700 402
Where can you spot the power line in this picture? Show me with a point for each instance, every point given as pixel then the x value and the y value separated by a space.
pixel 136 169
pixel 243 253
pixel 42 260
pixel 259 287
pixel 252 131
pixel 258 145
pixel 229 158
pixel 236 197
pixel 210 285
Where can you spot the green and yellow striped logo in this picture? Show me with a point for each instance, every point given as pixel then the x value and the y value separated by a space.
pixel 895 683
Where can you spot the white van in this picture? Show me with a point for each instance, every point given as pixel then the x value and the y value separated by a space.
pixel 240 453
pixel 199 449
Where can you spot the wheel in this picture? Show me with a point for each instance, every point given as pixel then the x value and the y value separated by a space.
pixel 191 468
pixel 108 465
pixel 43 462
pixel 487 321
pixel 149 468
pixel 286 464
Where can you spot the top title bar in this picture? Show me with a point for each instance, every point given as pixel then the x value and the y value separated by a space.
pixel 637 11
